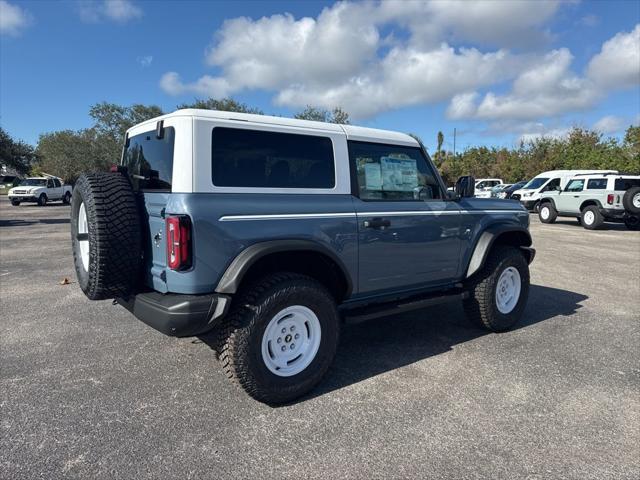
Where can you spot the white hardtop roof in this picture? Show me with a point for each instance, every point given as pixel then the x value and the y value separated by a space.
pixel 353 132
pixel 607 174
pixel 573 172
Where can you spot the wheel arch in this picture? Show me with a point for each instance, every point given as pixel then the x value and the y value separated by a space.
pixel 299 256
pixel 494 235
pixel 589 203
pixel 547 200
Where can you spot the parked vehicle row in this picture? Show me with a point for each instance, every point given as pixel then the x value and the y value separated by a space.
pixel 40 190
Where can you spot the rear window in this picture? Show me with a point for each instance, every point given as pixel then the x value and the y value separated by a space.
pixel 150 160
pixel 252 158
pixel 626 183
pixel 597 184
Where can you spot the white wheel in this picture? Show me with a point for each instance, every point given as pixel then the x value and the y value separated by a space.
pixel 636 200
pixel 83 241
pixel 545 213
pixel 291 341
pixel 508 290
pixel 589 217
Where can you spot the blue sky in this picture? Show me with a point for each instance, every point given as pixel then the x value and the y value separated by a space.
pixel 496 71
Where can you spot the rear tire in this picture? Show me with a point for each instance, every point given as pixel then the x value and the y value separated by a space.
pixel 547 213
pixel 499 292
pixel 632 222
pixel 591 218
pixel 104 214
pixel 254 351
pixel 66 199
pixel 42 200
pixel 15 203
pixel 631 200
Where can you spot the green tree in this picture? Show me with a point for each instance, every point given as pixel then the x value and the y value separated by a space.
pixel 224 104
pixel 115 120
pixel 68 153
pixel 17 155
pixel 337 115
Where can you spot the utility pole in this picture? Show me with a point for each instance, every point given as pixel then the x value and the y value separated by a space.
pixel 454 142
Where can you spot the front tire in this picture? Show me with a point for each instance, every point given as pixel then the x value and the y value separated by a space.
pixel 15 203
pixel 547 213
pixel 42 200
pixel 258 348
pixel 591 218
pixel 499 292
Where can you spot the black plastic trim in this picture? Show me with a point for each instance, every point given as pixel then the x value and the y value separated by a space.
pixel 486 241
pixel 175 314
pixel 232 277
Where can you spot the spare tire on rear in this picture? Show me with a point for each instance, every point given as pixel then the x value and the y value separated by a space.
pixel 631 200
pixel 106 235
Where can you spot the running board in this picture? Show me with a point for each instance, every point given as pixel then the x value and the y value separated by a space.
pixel 362 314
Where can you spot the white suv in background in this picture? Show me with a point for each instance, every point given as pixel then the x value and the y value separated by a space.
pixel 484 186
pixel 594 199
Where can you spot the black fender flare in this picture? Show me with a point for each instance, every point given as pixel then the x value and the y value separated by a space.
pixel 547 199
pixel 232 277
pixel 489 237
pixel 591 201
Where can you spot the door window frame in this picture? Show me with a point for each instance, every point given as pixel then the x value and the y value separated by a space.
pixel 353 170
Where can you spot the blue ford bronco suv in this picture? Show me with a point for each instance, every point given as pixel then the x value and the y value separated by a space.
pixel 267 233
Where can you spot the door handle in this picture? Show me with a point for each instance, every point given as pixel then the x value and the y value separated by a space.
pixel 576 196
pixel 379 223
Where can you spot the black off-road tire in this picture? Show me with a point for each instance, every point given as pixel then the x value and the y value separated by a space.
pixel 547 213
pixel 66 199
pixel 240 340
pixel 42 200
pixel 627 200
pixel 598 219
pixel 481 306
pixel 115 252
pixel 632 222
pixel 15 203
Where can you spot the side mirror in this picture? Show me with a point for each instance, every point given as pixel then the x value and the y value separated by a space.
pixel 465 187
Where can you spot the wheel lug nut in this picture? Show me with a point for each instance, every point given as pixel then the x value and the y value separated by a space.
pixel 284 330
pixel 297 336
pixel 293 327
pixel 292 346
pixel 279 339
pixel 283 348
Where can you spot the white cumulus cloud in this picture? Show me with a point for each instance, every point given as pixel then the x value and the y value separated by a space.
pixel 609 124
pixel 120 11
pixel 618 63
pixel 13 19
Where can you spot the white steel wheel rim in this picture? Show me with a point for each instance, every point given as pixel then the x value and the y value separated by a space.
pixel 589 217
pixel 83 244
pixel 544 212
pixel 508 290
pixel 291 341
pixel 636 200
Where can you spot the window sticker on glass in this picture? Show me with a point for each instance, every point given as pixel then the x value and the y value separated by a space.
pixel 372 176
pixel 398 174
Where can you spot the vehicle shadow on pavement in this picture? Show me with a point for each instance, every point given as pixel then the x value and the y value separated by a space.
pixel 378 346
pixel 605 226
pixel 23 223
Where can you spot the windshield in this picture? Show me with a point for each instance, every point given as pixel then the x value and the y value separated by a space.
pixel 535 183
pixel 33 182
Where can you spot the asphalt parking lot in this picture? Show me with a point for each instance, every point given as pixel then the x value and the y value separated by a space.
pixel 87 391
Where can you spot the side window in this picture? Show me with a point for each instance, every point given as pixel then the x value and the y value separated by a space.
pixel 626 183
pixel 481 185
pixel 255 158
pixel 597 184
pixel 49 183
pixel 56 183
pixel 552 185
pixel 150 160
pixel 392 173
pixel 575 185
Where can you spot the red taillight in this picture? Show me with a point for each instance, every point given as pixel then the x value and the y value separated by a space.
pixel 178 242
pixel 610 199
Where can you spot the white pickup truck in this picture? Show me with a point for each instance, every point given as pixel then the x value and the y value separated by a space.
pixel 40 190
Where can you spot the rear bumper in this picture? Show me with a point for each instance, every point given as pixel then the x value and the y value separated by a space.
pixel 177 315
pixel 613 213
